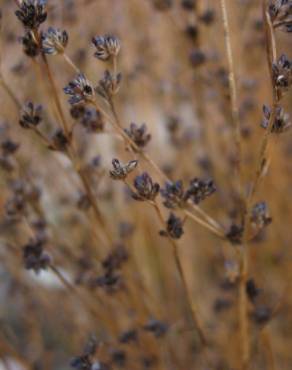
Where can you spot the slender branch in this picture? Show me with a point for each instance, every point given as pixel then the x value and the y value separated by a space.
pixel 234 98
pixel 193 310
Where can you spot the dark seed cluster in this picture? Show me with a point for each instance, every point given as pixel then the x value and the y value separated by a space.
pixel 174 227
pixel 146 188
pixel 120 171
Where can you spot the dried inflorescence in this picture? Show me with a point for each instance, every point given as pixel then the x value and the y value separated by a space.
pixel 34 256
pixel 234 234
pixel 109 85
pixel 90 118
pixel 85 360
pixel 111 278
pixel 281 120
pixel 59 141
pixel 282 74
pixel 260 216
pixel 107 47
pixel 162 4
pixel 54 41
pixel 199 190
pixel 30 115
pixel 30 46
pixel 138 135
pixel 121 171
pixel 32 13
pixel 80 90
pixel 174 227
pixel 156 327
pixel 174 195
pixel 146 189
pixel 280 12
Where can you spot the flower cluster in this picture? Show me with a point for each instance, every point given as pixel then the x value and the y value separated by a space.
pixel 200 189
pixel 80 90
pixel 260 215
pixel 31 115
pixel 146 189
pixel 106 47
pixel 174 195
pixel 282 74
pixel 34 256
pixel 54 41
pixel 109 85
pixel 174 228
pixel 32 13
pixel 8 148
pixel 138 135
pixel 281 121
pixel 280 12
pixel 120 171
pixel 90 118
pixel 111 265
pixel 30 46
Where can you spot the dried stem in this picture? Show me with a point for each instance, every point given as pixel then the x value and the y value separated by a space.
pixel 193 310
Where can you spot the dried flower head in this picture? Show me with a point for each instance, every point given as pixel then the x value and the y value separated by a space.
pixel 34 256
pixel 138 134
pixel 234 234
pixel 106 47
pixel 145 187
pixel 8 147
pixel 199 190
pixel 30 115
pixel 174 227
pixel 85 361
pixel 156 327
pixel 109 85
pixel 162 4
pixel 252 290
pixel 120 171
pixel 54 41
pixel 280 12
pixel 29 44
pixel 80 90
pixel 59 141
pixel 90 118
pixel 174 195
pixel 189 4
pixel 31 13
pixel 282 74
pixel 281 121
pixel 260 215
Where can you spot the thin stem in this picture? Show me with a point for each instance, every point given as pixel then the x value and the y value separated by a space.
pixel 55 96
pixel 9 92
pixel 233 93
pixel 70 63
pixel 193 310
pixel 203 223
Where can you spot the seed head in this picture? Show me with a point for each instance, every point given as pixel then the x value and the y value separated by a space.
pixel 174 195
pixel 281 122
pixel 174 227
pixel 34 256
pixel 80 90
pixel 199 190
pixel 54 41
pixel 260 215
pixel 109 85
pixel 120 171
pixel 30 115
pixel 138 134
pixel 32 13
pixel 106 47
pixel 282 74
pixel 29 44
pixel 145 187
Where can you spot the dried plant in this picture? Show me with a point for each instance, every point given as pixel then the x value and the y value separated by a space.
pixel 161 245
